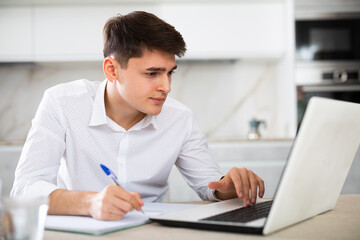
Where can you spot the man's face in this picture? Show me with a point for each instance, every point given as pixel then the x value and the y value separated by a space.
pixel 144 85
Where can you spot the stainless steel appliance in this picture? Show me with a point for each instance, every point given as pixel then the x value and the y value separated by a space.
pixel 328 37
pixel 327 58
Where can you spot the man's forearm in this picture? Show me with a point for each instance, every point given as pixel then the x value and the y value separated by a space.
pixel 67 202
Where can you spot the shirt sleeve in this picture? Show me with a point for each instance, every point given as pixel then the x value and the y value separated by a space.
pixel 40 158
pixel 197 165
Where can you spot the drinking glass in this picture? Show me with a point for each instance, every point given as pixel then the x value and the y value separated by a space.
pixel 23 218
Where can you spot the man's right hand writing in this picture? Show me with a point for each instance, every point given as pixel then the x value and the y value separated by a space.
pixel 113 203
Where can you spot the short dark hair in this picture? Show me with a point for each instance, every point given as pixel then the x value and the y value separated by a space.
pixel 127 36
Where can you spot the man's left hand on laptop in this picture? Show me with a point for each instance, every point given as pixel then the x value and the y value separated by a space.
pixel 239 182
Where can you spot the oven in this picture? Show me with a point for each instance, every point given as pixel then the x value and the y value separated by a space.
pixel 327 58
pixel 345 91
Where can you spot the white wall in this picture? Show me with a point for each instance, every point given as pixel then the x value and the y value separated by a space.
pixel 223 95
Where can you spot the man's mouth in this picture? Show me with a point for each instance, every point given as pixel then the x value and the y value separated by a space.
pixel 158 101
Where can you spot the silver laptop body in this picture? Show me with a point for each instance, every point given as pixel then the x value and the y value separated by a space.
pixel 320 159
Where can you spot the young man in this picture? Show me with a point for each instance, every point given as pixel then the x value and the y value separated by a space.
pixel 126 123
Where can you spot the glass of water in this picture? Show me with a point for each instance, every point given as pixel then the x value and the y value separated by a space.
pixel 23 218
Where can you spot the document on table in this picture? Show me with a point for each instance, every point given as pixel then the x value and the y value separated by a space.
pixel 88 225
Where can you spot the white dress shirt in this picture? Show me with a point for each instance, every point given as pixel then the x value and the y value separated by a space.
pixel 71 136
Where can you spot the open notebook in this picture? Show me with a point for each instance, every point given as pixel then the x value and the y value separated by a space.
pixel 88 225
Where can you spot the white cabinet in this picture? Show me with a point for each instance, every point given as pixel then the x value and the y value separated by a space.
pixel 71 32
pixel 16 34
pixel 253 29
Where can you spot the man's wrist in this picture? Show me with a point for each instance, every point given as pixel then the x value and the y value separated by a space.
pixel 224 196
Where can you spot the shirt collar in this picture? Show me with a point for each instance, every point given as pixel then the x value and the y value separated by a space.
pixel 98 116
pixel 145 122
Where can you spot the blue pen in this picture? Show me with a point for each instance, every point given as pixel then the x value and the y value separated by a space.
pixel 112 175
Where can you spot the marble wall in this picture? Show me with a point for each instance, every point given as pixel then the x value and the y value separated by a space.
pixel 224 95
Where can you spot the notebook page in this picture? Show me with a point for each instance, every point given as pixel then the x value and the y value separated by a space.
pixel 88 225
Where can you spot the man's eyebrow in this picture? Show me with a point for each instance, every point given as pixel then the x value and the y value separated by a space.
pixel 155 69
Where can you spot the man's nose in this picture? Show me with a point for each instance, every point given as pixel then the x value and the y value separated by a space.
pixel 165 84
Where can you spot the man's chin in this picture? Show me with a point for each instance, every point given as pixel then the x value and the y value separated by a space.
pixel 154 112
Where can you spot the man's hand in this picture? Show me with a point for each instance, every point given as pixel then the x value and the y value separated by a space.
pixel 112 203
pixel 239 182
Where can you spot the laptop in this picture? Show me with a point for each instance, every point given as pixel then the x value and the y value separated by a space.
pixel 327 143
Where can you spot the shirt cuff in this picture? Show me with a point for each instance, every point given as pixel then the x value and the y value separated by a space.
pixel 213 196
pixel 211 193
pixel 41 188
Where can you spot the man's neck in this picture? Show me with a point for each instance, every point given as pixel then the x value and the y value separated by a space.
pixel 118 110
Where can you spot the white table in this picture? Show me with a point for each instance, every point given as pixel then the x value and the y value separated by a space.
pixel 343 222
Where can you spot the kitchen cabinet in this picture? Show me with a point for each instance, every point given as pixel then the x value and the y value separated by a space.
pixel 73 32
pixel 16 34
pixel 69 32
pixel 230 30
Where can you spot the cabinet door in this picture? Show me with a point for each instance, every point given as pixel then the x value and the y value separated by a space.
pixel 73 32
pixel 68 33
pixel 238 30
pixel 16 34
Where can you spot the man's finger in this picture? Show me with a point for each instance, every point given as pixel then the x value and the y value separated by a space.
pixel 124 196
pixel 261 185
pixel 138 199
pixel 245 183
pixel 125 206
pixel 237 181
pixel 132 200
pixel 113 216
pixel 253 185
pixel 115 211
pixel 110 211
pixel 214 185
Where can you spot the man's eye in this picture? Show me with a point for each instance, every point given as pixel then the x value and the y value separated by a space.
pixel 151 74
pixel 171 72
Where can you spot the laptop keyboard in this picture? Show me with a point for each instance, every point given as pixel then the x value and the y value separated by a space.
pixel 244 214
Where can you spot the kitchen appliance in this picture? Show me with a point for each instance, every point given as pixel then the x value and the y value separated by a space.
pixel 327 57
pixel 328 37
pixel 336 80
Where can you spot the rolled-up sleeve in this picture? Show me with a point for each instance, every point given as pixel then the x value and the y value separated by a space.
pixel 196 163
pixel 40 159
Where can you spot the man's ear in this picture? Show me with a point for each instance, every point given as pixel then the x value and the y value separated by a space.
pixel 109 69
